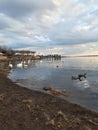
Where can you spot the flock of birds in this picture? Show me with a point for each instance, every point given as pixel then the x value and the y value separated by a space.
pixel 21 64
pixel 24 64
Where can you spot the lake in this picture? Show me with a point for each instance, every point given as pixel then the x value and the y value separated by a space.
pixel 57 74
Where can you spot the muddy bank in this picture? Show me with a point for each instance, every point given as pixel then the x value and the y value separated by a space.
pixel 24 109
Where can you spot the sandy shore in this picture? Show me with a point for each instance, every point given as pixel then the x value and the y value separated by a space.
pixel 24 109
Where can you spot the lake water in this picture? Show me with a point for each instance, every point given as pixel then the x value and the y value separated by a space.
pixel 57 74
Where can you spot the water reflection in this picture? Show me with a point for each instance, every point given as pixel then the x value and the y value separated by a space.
pixel 82 85
pixel 45 73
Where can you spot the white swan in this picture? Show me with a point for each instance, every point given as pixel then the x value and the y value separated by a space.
pixel 10 66
pixel 29 61
pixel 20 65
pixel 25 65
pixel 41 61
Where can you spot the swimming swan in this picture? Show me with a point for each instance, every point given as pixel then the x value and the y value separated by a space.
pixel 10 66
pixel 20 65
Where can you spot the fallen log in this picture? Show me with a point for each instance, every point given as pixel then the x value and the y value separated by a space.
pixel 55 91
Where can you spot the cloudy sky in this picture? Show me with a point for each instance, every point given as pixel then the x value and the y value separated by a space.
pixel 67 27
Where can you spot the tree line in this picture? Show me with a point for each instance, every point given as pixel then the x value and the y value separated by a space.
pixel 6 51
pixel 9 52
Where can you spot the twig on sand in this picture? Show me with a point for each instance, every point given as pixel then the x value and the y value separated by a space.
pixel 2 96
pixel 28 103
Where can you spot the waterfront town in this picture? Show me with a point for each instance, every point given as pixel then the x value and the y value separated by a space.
pixel 23 54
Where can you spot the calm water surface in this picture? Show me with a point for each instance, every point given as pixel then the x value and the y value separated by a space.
pixel 45 73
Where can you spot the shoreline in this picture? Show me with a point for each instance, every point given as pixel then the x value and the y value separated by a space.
pixel 25 109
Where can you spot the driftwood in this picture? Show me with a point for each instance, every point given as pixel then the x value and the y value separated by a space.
pixel 55 91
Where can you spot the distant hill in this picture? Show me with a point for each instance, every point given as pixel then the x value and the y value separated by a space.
pixel 82 56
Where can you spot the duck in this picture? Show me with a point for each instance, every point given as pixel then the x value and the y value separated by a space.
pixel 79 76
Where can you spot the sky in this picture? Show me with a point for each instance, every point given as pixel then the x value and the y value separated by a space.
pixel 66 27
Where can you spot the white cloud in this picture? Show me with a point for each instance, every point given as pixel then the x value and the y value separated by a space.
pixel 58 26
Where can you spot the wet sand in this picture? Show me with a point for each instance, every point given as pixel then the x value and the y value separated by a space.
pixel 24 109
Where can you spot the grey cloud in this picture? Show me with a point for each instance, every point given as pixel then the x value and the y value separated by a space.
pixel 39 24
pixel 3 25
pixel 22 8
pixel 73 37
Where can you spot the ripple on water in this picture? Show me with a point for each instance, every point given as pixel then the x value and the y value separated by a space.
pixel 82 85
